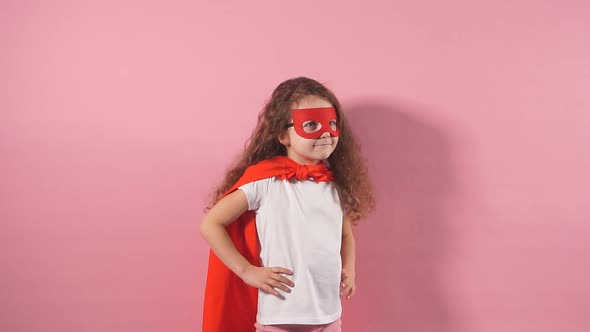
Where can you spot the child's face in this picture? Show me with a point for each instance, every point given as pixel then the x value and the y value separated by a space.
pixel 306 150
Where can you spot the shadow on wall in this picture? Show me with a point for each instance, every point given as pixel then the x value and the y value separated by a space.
pixel 402 248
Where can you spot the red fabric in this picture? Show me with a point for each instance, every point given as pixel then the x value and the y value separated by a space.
pixel 322 115
pixel 231 305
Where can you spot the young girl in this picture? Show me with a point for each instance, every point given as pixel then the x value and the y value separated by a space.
pixel 282 248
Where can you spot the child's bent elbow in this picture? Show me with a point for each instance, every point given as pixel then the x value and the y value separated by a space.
pixel 208 227
pixel 204 229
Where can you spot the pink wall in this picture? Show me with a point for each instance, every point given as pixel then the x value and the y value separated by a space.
pixel 116 119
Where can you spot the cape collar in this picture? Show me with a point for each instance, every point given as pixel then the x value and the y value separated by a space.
pixel 294 170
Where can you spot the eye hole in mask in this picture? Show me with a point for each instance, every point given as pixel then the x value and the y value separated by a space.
pixel 312 126
pixel 312 123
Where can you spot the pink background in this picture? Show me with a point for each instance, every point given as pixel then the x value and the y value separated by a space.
pixel 118 117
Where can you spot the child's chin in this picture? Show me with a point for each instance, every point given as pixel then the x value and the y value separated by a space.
pixel 325 155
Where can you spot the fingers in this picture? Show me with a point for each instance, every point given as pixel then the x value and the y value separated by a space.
pixel 347 290
pixel 347 287
pixel 282 270
pixel 282 280
pixel 266 288
pixel 351 292
pixel 275 280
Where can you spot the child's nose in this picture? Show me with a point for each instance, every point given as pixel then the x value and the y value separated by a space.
pixel 325 134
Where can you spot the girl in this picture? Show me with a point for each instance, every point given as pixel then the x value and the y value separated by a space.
pixel 279 226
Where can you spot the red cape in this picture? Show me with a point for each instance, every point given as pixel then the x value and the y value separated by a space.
pixel 231 305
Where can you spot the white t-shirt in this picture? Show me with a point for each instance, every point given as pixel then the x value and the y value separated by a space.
pixel 299 226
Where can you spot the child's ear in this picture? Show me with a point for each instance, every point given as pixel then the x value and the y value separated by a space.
pixel 284 138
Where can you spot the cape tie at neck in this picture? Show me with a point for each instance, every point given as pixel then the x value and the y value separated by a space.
pixel 292 169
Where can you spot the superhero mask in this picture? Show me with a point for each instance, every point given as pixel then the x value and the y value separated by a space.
pixel 312 123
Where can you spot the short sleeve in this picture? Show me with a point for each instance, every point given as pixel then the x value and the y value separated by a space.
pixel 255 192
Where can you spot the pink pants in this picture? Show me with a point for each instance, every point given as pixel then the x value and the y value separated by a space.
pixel 330 327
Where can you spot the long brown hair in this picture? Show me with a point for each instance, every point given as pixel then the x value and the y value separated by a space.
pixel 350 170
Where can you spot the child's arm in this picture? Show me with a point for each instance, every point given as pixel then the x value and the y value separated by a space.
pixel 347 253
pixel 213 231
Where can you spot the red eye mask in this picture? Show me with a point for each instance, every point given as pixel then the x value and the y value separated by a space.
pixel 312 123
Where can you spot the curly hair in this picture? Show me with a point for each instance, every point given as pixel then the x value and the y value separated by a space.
pixel 350 171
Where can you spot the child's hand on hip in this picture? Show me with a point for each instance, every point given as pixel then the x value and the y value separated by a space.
pixel 268 278
pixel 347 287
